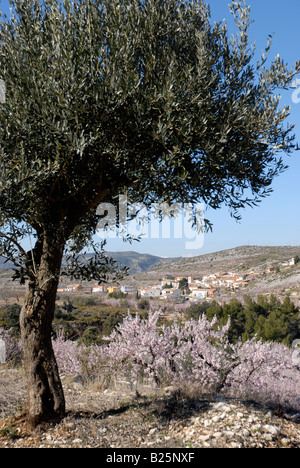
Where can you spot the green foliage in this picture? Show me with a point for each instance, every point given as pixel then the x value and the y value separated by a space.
pixel 10 316
pixel 146 98
pixel 89 321
pixel 10 431
pixel 82 301
pixel 183 283
pixel 143 304
pixel 196 310
pixel 268 319
pixel 117 295
pixel 89 324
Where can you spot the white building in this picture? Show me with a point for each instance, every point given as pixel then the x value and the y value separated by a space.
pixel 168 282
pixel 127 289
pixel 150 292
pixel 170 293
pixel 99 289
pixel 200 293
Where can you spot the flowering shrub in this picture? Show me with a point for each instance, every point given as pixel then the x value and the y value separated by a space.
pixel 166 355
pixel 199 353
pixel 196 353
pixel 266 374
pixel 13 347
pixel 75 359
pixel 67 355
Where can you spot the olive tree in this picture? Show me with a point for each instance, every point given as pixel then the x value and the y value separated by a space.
pixel 147 98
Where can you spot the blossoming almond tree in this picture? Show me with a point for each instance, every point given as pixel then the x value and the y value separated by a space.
pixel 198 353
pixel 146 98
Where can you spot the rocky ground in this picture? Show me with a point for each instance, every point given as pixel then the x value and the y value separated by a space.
pixel 120 418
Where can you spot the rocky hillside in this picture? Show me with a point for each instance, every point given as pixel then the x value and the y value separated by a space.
pixel 120 418
pixel 137 262
pixel 240 259
pixel 284 280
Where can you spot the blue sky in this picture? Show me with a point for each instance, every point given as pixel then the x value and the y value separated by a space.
pixel 277 220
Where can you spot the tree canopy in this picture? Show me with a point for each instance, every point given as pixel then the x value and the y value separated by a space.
pixel 147 98
pixel 266 318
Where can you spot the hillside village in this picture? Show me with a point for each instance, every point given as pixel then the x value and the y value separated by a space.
pixel 185 287
pixel 245 270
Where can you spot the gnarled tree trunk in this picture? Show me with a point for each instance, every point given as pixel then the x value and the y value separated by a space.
pixel 45 394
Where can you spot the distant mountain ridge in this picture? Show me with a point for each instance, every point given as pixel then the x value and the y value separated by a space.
pixel 242 257
pixel 136 262
pixel 4 265
pixel 140 262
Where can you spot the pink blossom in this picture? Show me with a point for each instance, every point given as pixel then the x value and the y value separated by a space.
pixel 199 353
